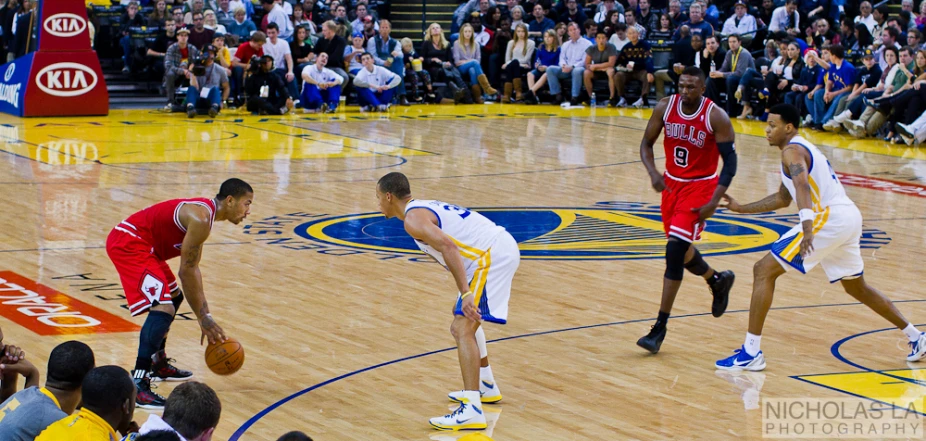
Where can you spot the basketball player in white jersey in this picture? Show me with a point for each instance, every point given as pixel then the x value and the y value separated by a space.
pixel 828 234
pixel 482 257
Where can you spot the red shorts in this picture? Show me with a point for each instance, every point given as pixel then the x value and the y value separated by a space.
pixel 145 278
pixel 679 197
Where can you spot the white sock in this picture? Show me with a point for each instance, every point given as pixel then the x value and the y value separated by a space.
pixel 913 334
pixel 485 374
pixel 473 397
pixel 752 344
pixel 481 342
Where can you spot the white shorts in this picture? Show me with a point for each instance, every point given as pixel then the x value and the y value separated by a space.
pixel 835 244
pixel 491 280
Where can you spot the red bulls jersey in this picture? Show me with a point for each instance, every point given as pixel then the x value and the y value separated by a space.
pixel 691 151
pixel 159 225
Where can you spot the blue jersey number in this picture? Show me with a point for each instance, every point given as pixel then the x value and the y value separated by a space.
pixel 458 210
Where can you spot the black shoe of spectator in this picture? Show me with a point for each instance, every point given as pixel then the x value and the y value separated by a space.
pixel 818 127
pixel 403 101
pixel 613 101
pixel 213 111
pixel 529 97
pixel 190 111
pixel 574 102
pixel 558 99
pixel 458 96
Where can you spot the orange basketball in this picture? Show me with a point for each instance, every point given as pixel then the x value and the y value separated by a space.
pixel 225 358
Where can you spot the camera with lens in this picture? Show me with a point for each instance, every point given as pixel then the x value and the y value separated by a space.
pixel 254 64
pixel 198 69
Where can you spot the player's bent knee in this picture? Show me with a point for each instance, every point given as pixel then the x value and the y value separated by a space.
pixel 675 259
pixel 167 308
pixel 767 267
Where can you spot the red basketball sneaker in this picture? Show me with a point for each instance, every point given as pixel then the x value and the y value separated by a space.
pixel 163 370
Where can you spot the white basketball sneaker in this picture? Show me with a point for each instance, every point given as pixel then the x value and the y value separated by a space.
pixel 468 416
pixel 487 389
pixel 917 348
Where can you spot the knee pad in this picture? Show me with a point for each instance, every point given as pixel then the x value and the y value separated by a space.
pixel 177 301
pixel 697 265
pixel 675 258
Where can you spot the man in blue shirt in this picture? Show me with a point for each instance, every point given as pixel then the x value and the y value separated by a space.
pixel 696 25
pixel 837 82
pixel 540 24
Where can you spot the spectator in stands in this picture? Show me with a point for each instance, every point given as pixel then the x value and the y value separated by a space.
pixel 225 14
pixel 547 56
pixel 241 27
pixel 676 14
pixel 518 55
pixel 865 16
pixel 195 6
pixel 782 75
pixel 612 21
pixel 283 59
pixel 222 54
pixel 276 14
pixel 209 91
pixel 492 18
pixel 15 359
pixel 696 24
pixel 859 42
pixel 630 20
pixel 786 19
pixel 573 13
pixel 294 436
pixel 591 29
pixel 880 15
pixel 108 397
pixel 301 51
pixel 375 83
pixel 888 39
pixel 805 82
pixel 921 17
pixel 600 61
pixel 158 50
pixel 571 65
pixel 837 84
pixel 177 14
pixel 683 54
pixel 358 24
pixel 192 411
pixel 387 52
pixel 28 412
pixel 352 54
pixel 619 37
pixel 321 91
pixel 517 15
pixel 418 82
pixel 915 39
pixel 210 22
pixel 369 29
pixel 131 19
pixel 177 62
pixel 734 67
pixel 466 58
pixel 823 35
pixel 869 119
pixel 867 77
pixel 906 105
pixel 540 23
pixel 159 15
pixel 312 12
pixel 741 23
pixel 300 20
pixel 438 60
pixel 200 36
pixel 266 91
pixel 242 59
pixel 340 17
pixel 334 45
pixel 635 62
pixel 710 59
pixel 647 17
pixel 605 7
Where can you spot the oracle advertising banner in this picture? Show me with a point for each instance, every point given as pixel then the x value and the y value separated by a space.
pixel 63 77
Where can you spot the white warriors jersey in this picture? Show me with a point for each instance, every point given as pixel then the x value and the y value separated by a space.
pixel 472 232
pixel 825 188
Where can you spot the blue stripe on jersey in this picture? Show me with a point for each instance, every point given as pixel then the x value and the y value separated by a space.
pixel 779 247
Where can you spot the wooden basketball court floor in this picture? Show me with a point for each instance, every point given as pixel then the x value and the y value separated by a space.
pixel 346 327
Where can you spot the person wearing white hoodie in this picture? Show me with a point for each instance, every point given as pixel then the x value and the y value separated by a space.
pixel 374 85
pixel 192 412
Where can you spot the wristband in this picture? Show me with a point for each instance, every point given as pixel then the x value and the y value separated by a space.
pixel 468 293
pixel 806 214
pixel 208 315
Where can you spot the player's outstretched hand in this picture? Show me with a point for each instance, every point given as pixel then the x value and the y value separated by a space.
pixel 469 309
pixel 730 204
pixel 211 330
pixel 659 183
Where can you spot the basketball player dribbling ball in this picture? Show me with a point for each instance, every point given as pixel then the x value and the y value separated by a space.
pixel 139 248
pixel 697 134
pixel 828 234
pixel 482 257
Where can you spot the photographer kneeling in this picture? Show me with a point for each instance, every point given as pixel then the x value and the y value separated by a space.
pixel 205 80
pixel 267 95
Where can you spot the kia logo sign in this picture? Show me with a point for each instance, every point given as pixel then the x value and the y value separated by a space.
pixel 65 25
pixel 66 79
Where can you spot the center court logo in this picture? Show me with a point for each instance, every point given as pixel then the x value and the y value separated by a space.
pixel 609 230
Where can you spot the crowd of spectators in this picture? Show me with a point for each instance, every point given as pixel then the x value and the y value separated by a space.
pixel 84 402
pixel 846 63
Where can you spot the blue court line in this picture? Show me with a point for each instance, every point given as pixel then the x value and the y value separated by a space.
pixel 254 419
pixel 835 350
pixel 100 247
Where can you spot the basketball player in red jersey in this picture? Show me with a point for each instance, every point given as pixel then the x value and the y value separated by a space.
pixel 697 133
pixel 139 248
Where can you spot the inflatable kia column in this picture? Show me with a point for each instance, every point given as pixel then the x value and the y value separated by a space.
pixel 62 77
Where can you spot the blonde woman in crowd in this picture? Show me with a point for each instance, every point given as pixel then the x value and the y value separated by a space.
pixel 467 58
pixel 518 57
pixel 438 61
